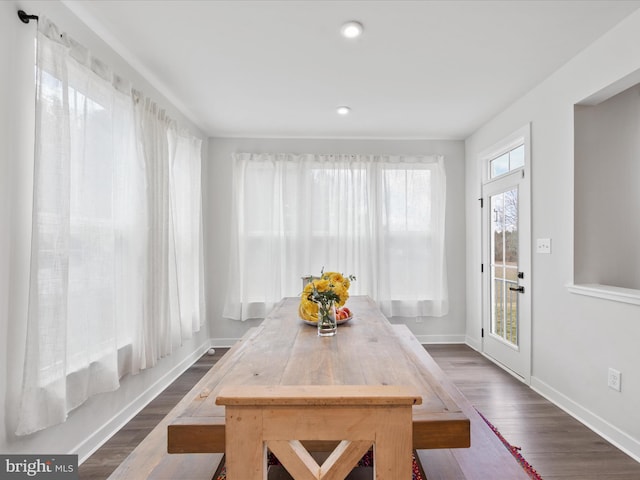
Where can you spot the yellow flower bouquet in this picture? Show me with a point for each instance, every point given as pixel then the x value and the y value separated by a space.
pixel 329 287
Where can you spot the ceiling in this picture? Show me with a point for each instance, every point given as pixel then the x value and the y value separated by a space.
pixel 421 70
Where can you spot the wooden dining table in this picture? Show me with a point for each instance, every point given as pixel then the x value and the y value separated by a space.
pixel 283 350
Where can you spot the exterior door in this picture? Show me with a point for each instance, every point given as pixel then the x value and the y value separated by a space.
pixel 506 333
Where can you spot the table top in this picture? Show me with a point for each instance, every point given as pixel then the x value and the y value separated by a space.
pixel 367 350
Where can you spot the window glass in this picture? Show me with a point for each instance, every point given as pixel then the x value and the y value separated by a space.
pixel 500 165
pixel 507 162
pixel 516 158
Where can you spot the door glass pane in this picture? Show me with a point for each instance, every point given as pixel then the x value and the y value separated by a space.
pixel 510 228
pixel 504 265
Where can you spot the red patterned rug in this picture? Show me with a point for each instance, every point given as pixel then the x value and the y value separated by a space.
pixel 515 451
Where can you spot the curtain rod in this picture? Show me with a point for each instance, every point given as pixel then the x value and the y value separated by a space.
pixel 24 17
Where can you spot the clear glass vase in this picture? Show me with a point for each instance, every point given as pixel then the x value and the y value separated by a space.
pixel 327 323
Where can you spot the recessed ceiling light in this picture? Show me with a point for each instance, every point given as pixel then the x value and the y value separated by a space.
pixel 343 110
pixel 351 29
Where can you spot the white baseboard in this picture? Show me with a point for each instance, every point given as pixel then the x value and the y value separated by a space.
pixel 426 339
pixel 474 343
pixel 611 433
pixel 223 342
pixel 88 446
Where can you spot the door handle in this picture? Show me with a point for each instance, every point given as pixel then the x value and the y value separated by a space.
pixel 517 289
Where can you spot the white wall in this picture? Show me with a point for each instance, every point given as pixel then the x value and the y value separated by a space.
pixel 88 425
pixel 575 338
pixel 218 171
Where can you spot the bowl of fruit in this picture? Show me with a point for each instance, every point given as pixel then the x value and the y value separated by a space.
pixel 343 315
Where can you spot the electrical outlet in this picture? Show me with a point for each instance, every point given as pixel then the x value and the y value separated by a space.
pixel 543 245
pixel 615 378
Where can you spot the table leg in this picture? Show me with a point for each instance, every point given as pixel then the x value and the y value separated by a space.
pixel 392 449
pixel 246 453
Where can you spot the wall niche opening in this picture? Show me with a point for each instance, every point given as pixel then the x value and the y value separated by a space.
pixel 607 187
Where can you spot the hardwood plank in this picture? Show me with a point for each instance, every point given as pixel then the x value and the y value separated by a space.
pixel 586 465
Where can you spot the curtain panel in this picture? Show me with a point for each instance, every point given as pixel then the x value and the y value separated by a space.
pixel 116 235
pixel 380 218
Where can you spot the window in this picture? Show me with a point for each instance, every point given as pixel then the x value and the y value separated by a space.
pixel 507 162
pixel 88 183
pixel 378 218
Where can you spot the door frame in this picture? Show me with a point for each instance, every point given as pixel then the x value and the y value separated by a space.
pixel 522 136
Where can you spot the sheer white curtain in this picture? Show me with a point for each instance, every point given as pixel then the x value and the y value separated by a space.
pixel 380 218
pixel 173 287
pixel 155 335
pixel 103 239
pixel 186 205
pixel 82 123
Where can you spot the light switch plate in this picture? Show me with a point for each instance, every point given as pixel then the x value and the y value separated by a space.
pixel 543 245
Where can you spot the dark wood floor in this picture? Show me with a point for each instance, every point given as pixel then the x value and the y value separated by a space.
pixel 554 443
pixel 558 446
